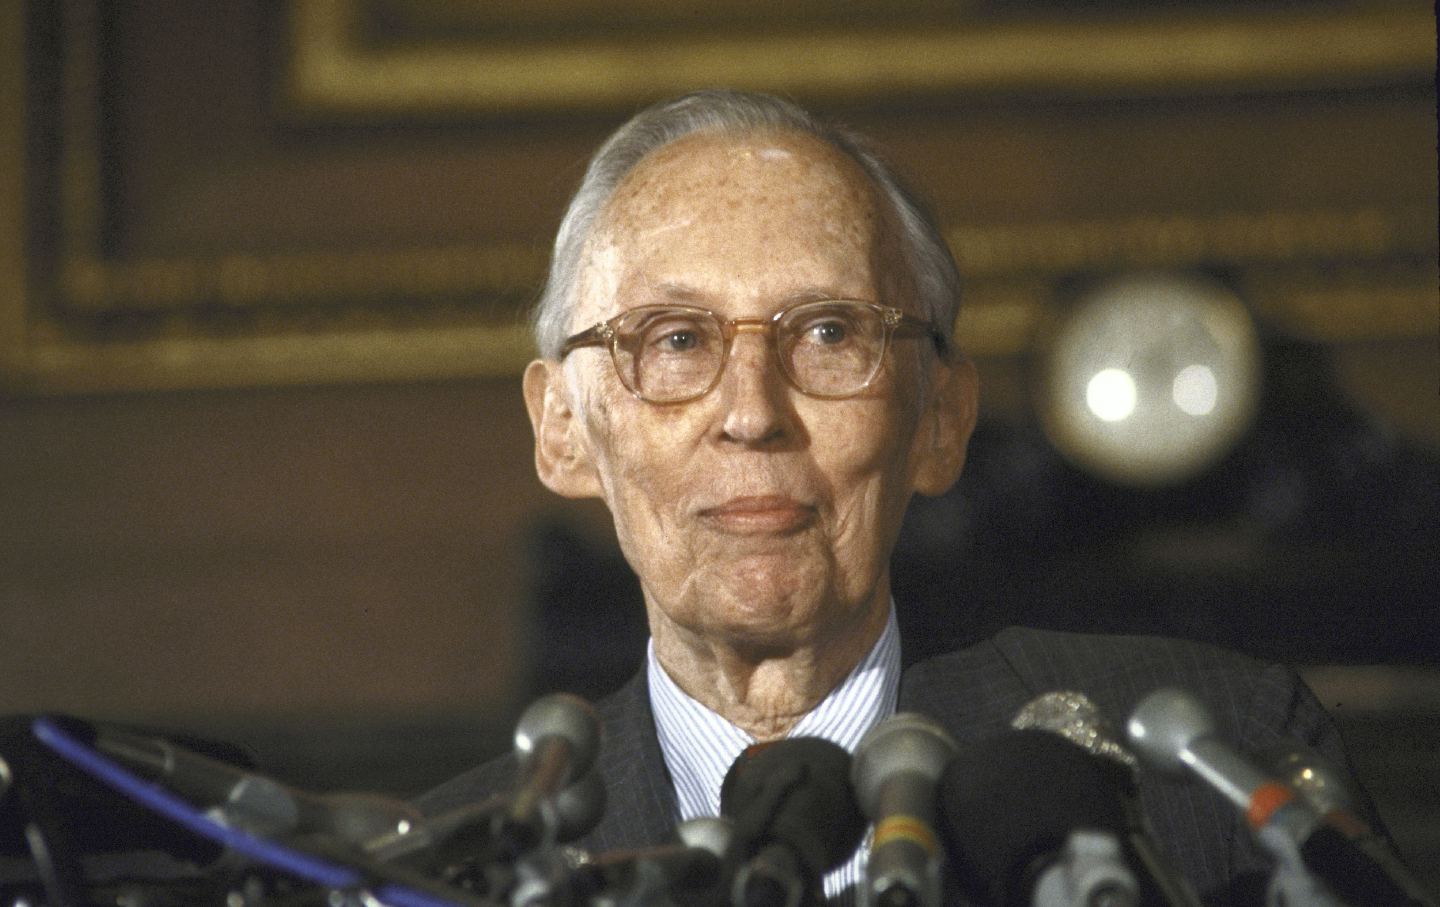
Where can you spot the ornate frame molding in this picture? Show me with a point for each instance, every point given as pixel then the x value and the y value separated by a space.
pixel 333 73
pixel 390 313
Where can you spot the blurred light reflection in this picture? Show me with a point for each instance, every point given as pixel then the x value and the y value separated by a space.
pixel 1151 378
pixel 1195 390
pixel 1111 394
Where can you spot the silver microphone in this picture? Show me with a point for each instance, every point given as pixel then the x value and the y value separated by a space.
pixel 1173 732
pixel 896 772
pixel 556 740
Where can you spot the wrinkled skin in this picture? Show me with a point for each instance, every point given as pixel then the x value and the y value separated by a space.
pixel 759 520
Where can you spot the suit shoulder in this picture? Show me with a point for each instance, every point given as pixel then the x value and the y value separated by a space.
pixel 1049 656
pixel 1017 664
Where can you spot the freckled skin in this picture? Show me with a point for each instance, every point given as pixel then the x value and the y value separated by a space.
pixel 757 608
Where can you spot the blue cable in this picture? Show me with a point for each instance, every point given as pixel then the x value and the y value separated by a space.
pixel 166 804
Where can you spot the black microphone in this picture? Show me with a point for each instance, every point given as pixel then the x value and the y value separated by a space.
pixel 253 802
pixel 896 771
pixel 1030 819
pixel 795 817
pixel 1072 716
pixel 1173 732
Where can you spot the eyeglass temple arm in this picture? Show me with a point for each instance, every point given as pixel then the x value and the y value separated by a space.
pixel 909 324
pixel 599 335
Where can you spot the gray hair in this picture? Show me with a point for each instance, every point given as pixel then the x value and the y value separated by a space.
pixel 927 257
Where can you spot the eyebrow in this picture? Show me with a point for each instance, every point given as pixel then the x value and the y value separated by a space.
pixel 679 292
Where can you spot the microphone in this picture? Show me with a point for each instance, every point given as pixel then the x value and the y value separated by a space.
pixel 579 807
pixel 472 828
pixel 795 817
pixel 556 740
pixel 1323 785
pixel 480 844
pixel 896 771
pixel 502 848
pixel 1174 732
pixel 1072 716
pixel 695 867
pixel 253 802
pixel 1030 819
pixel 1325 788
pixel 1318 780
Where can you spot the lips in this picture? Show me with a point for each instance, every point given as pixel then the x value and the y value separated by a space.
pixel 759 515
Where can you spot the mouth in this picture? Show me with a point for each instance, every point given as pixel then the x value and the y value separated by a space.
pixel 759 515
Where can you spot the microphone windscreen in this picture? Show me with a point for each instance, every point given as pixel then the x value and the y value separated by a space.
pixel 1011 800
pixel 1073 716
pixel 795 791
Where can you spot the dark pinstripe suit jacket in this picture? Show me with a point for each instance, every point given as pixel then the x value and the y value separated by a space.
pixel 974 692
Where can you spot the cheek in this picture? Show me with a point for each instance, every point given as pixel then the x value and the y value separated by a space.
pixel 873 438
pixel 640 455
pixel 870 470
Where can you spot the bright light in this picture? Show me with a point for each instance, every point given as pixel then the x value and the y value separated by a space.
pixel 1150 378
pixel 1195 390
pixel 1111 394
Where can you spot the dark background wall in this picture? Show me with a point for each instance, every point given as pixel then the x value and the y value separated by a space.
pixel 264 471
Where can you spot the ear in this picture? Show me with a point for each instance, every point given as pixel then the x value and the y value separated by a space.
pixel 562 458
pixel 946 424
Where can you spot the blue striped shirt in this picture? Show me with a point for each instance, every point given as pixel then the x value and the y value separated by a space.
pixel 699 746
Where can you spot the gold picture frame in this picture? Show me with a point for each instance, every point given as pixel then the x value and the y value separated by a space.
pixel 334 72
pixel 334 317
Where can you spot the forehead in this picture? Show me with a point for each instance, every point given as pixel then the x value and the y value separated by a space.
pixel 741 217
pixel 778 169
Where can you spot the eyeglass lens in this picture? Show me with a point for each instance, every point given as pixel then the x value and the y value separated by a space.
pixel 827 348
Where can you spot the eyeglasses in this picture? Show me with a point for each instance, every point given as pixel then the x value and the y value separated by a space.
pixel 829 349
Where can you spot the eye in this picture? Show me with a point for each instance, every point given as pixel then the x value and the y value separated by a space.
pixel 827 333
pixel 825 326
pixel 670 334
pixel 677 341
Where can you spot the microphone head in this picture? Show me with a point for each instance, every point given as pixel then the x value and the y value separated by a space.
pixel 1164 727
pixel 795 791
pixel 1072 715
pixel 579 807
pixel 1311 775
pixel 710 833
pixel 561 716
pixel 903 743
pixel 1011 801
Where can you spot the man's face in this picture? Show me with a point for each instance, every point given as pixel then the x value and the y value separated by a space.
pixel 755 516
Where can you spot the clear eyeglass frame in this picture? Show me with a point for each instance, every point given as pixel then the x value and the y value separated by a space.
pixel 892 323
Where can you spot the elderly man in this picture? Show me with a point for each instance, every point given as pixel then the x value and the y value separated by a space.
pixel 745 352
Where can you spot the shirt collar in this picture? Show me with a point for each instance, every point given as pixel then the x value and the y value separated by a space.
pixel 699 745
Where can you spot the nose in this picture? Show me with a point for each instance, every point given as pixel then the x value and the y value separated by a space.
pixel 753 391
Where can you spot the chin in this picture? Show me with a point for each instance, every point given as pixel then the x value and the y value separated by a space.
pixel 770 620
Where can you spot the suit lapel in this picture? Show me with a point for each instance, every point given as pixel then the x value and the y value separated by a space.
pixel 640 802
pixel 972 693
